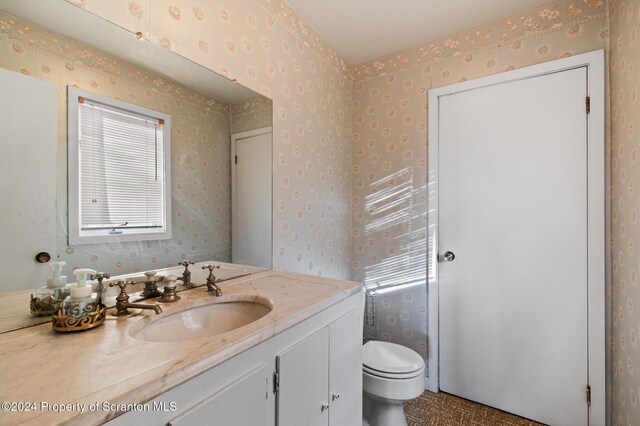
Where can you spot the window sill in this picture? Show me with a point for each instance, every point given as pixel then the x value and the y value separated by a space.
pixel 102 237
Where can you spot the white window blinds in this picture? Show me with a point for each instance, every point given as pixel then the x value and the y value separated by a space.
pixel 119 170
pixel 122 170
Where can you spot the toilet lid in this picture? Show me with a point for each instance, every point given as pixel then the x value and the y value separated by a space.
pixel 386 375
pixel 390 358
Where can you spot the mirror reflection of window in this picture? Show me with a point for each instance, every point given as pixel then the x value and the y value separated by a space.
pixel 205 109
pixel 118 171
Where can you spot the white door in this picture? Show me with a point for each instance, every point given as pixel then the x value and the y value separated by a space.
pixel 513 221
pixel 28 135
pixel 251 176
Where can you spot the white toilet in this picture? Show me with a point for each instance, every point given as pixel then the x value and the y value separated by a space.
pixel 391 375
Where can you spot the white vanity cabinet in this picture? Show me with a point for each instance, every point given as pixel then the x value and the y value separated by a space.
pixel 320 378
pixel 282 381
pixel 345 370
pixel 242 402
pixel 235 395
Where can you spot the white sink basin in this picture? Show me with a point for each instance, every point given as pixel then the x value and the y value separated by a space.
pixel 221 316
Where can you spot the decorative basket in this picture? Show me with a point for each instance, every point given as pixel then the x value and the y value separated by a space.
pixel 63 323
pixel 42 307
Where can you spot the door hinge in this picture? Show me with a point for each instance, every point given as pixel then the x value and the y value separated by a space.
pixel 276 382
pixel 588 104
pixel 589 395
pixel 236 159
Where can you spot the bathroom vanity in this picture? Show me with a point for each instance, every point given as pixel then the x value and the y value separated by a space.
pixel 298 363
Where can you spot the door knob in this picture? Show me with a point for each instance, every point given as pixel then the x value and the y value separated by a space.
pixel 448 256
pixel 43 257
pixel 335 396
pixel 325 406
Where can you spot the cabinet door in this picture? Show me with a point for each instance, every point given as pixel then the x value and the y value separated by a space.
pixel 304 382
pixel 345 370
pixel 241 403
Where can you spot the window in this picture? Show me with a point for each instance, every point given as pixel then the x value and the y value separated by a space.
pixel 119 171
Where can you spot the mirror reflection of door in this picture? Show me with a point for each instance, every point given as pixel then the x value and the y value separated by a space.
pixel 28 110
pixel 251 177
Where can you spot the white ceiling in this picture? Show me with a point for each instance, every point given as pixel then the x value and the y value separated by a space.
pixel 361 30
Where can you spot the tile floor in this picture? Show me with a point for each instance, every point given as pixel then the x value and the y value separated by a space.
pixel 441 409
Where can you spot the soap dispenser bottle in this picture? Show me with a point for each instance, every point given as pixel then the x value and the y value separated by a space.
pixel 81 300
pixel 48 297
pixel 58 282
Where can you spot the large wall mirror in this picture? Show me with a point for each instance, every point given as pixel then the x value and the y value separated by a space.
pixel 213 120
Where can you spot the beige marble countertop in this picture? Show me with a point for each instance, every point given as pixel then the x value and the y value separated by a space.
pixel 40 366
pixel 14 306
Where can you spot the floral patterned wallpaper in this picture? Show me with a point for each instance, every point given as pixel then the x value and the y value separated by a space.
pixel 311 120
pixel 200 147
pixel 567 15
pixel 251 115
pixel 390 145
pixel 625 231
pixel 390 169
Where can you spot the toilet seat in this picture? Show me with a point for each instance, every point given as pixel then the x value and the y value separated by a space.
pixel 387 375
pixel 390 360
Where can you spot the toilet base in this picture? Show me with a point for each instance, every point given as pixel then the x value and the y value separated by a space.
pixel 382 412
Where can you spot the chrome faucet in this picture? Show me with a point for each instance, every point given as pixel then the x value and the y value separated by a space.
pixel 212 287
pixel 122 301
pixel 186 275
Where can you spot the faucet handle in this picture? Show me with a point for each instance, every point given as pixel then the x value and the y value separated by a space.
pixel 150 274
pixel 186 275
pixel 169 294
pixel 211 280
pixel 123 297
pixel 170 280
pixel 122 285
pixel 211 277
pixel 186 263
pixel 100 276
pixel 211 267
